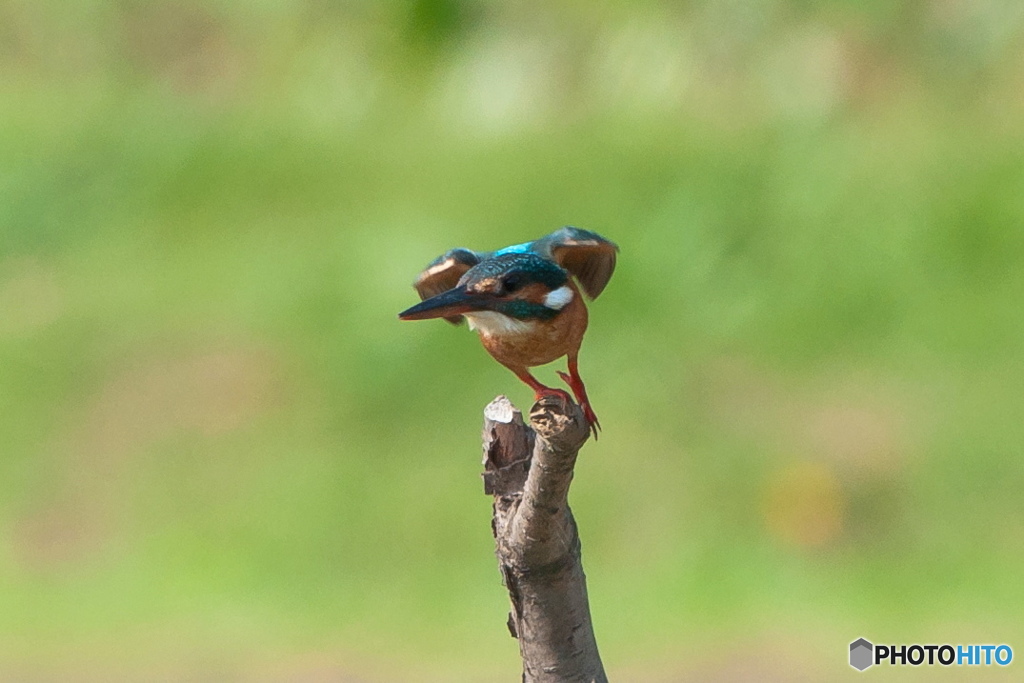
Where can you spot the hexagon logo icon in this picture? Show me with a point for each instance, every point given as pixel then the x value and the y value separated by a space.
pixel 861 654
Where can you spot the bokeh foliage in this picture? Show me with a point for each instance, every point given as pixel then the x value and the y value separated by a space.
pixel 223 458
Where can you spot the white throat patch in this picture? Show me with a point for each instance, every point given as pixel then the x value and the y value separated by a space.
pixel 558 298
pixel 496 324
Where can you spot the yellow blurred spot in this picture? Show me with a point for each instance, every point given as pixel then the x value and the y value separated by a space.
pixel 210 392
pixel 804 505
pixel 30 298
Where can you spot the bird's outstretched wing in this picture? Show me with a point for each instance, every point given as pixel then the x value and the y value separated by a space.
pixel 589 257
pixel 443 273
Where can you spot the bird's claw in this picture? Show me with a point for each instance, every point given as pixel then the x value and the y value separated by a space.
pixel 550 391
pixel 588 412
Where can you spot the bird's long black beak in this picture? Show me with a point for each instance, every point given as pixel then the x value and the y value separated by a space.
pixel 454 302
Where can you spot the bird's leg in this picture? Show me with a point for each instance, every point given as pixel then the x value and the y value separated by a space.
pixel 576 384
pixel 538 388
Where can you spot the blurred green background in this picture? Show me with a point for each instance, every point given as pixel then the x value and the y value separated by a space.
pixel 222 458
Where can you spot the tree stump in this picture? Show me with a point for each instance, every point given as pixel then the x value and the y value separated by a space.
pixel 528 470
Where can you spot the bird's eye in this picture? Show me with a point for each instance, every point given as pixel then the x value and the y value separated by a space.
pixel 511 283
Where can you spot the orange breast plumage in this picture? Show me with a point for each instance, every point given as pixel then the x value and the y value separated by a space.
pixel 532 342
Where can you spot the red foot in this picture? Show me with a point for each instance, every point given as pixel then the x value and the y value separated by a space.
pixel 581 395
pixel 574 382
pixel 551 391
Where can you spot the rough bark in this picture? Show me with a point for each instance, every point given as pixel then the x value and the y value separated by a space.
pixel 528 471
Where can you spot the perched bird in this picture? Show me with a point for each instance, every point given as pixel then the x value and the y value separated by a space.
pixel 524 301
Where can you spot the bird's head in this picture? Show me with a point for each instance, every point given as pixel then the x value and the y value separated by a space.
pixel 520 286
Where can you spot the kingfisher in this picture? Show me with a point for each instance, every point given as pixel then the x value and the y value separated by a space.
pixel 524 302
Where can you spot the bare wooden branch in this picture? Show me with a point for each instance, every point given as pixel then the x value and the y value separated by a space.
pixel 528 471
